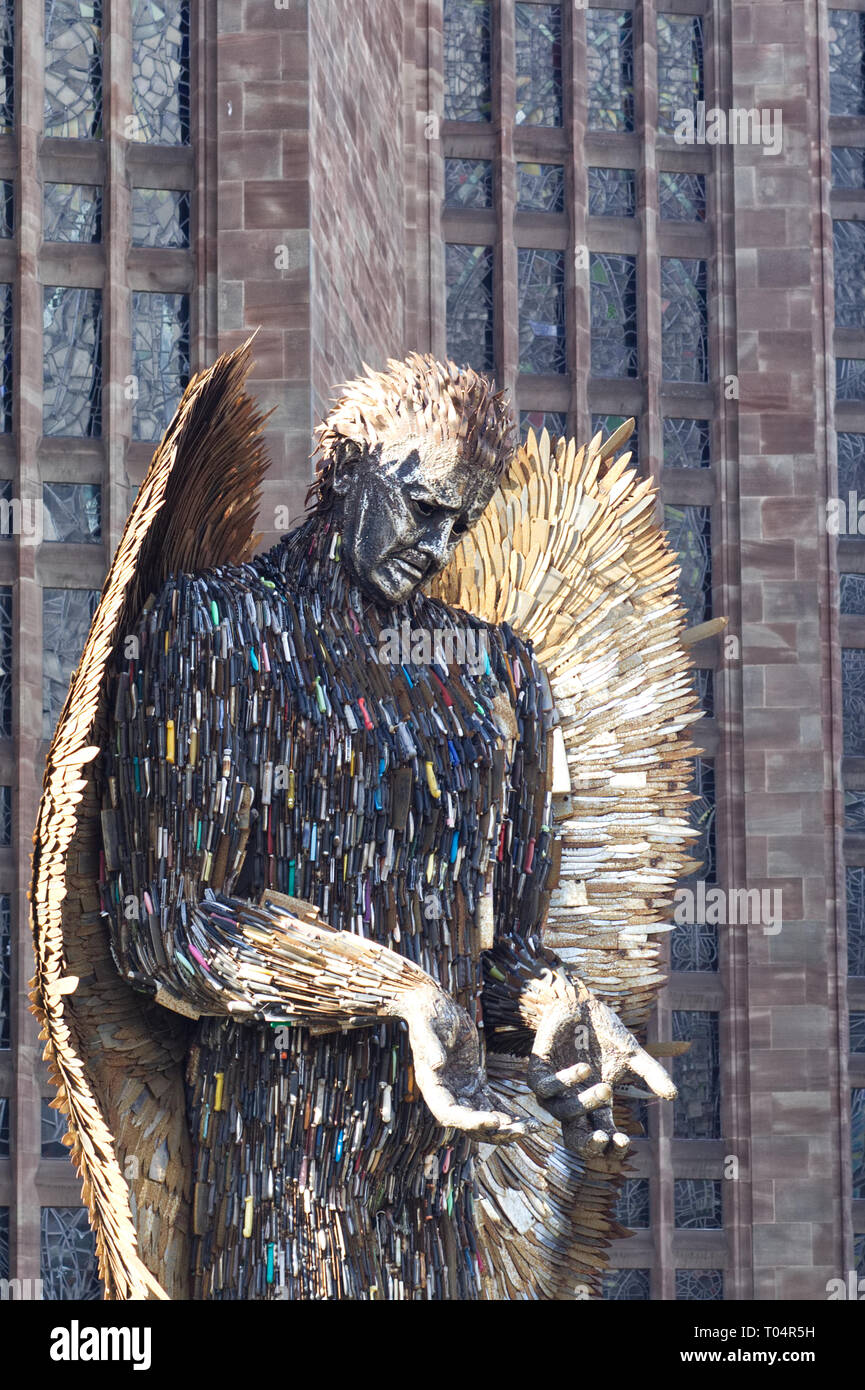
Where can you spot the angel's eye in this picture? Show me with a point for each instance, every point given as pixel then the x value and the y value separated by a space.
pixel 460 526
pixel 423 508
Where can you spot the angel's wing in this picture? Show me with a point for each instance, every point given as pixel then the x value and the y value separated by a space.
pixel 117 1060
pixel 569 554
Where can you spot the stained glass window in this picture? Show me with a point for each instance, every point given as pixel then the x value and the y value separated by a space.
pixel 857 1137
pixel 469 183
pixel 857 1030
pixel 5 359
pixel 7 205
pixel 68 1265
pixel 705 683
pixel 540 188
pixel 848 167
pixel 555 422
pixel 467 60
pixel 632 1206
pixel 4 1127
pixel 684 320
pixel 612 192
pixel 160 71
pixel 854 810
pixel 851 463
pixel 697 1111
pixel 5 964
pixel 614 314
pixel 850 378
pixel 160 217
pixel 72 212
pixel 72 362
pixel 859 1255
pixel 690 534
pixel 5 817
pixel 71 512
pixel 7 66
pixel 5 661
pixel 697 1204
pixel 4 1242
pixel 680 68
pixel 700 1285
pixel 53 1130
pixel 609 423
pixel 73 68
pixel 66 615
pixel 846 63
pixel 686 442
pixel 852 588
pixel 610 69
pixel 469 278
pixel 849 245
pixel 855 877
pixel 625 1285
pixel 541 295
pixel 853 700
pixel 160 359
pixel 538 53
pixel 682 197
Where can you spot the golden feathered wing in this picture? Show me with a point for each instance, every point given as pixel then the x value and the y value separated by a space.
pixel 115 1058
pixel 568 553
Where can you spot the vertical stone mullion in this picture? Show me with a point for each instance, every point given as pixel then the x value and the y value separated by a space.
pixel 116 300
pixel 648 258
pixel 578 316
pixel 505 253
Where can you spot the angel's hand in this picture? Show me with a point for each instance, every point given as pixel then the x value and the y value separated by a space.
pixel 448 1071
pixel 581 1050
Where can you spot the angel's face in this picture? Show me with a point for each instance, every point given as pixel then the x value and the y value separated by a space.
pixel 404 511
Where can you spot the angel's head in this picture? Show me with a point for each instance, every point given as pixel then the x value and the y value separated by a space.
pixel 408 460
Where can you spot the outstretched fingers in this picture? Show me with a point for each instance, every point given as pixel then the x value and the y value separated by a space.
pixel 654 1075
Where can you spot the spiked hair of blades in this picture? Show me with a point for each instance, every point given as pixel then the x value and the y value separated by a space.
pixel 417 396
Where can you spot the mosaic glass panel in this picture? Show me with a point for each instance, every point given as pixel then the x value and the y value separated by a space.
pixel 850 378
pixel 697 1074
pixel 160 217
pixel 160 71
pixel 690 534
pixel 853 700
pixel 857 1140
pixel 697 1204
pixel 855 877
pixel 66 616
pixel 680 68
pixel 5 359
pixel 846 63
pixel 705 683
pixel 72 362
pixel 540 188
pixel 469 183
pixel 632 1206
pixel 72 212
pixel 538 58
pixel 614 314
pixel 555 422
pixel 5 817
pixel 7 207
pixel 53 1130
pixel 68 1255
pixel 610 69
pixel 4 1242
pixel 467 60
pixel 608 423
pixel 682 197
pixel 852 589
pixel 684 320
pixel 73 68
pixel 859 1255
pixel 469 280
pixel 851 463
pixel 5 966
pixel 72 512
pixel 700 1285
pixel 848 167
pixel 612 192
pixel 5 661
pixel 849 247
pixel 854 810
pixel 541 297
pixel 625 1285
pixel 686 443
pixel 7 66
pixel 160 359
pixel 857 1030
pixel 4 1127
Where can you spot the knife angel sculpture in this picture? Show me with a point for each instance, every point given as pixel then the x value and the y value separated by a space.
pixel 352 857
